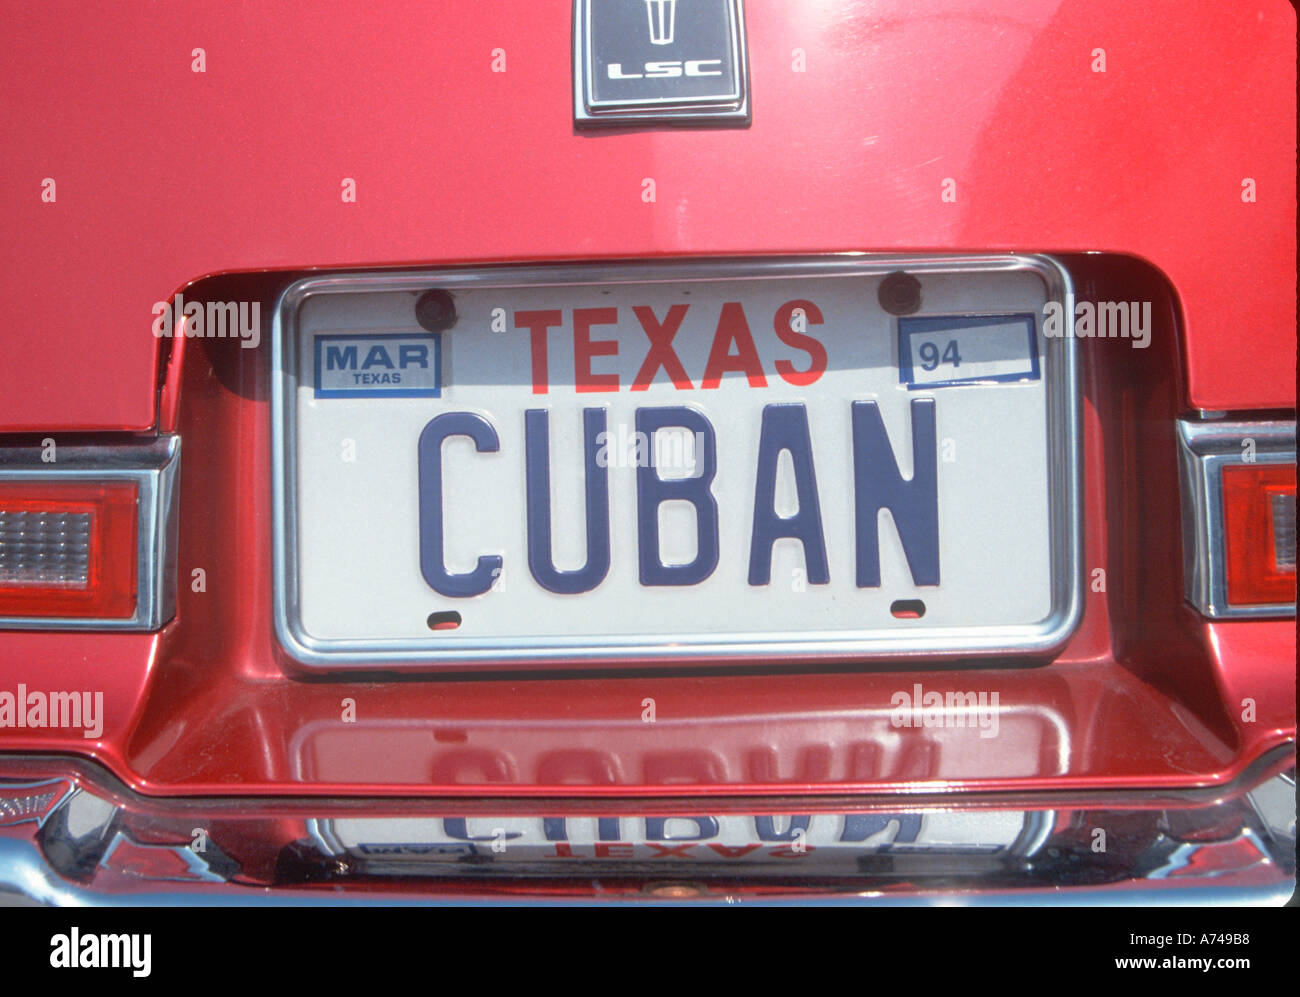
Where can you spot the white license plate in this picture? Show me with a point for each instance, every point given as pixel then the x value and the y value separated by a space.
pixel 676 462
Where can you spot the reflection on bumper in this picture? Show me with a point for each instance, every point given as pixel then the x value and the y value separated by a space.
pixel 70 834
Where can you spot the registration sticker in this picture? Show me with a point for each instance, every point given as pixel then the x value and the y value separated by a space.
pixel 386 364
pixel 936 351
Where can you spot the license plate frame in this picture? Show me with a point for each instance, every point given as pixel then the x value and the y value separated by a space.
pixel 914 648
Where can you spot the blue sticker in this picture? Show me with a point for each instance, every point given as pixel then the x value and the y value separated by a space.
pixel 938 351
pixel 379 365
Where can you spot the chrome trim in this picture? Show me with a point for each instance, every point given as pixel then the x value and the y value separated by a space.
pixel 1195 846
pixel 1204 448
pixel 1065 476
pixel 155 468
pixel 733 108
pixel 1274 803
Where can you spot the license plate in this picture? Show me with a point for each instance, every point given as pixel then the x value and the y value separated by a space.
pixel 793 460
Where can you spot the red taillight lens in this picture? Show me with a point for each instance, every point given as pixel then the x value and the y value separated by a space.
pixel 1259 533
pixel 68 549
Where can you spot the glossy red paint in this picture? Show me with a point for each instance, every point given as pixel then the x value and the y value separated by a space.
pixel 163 175
pixel 1145 695
pixel 1145 160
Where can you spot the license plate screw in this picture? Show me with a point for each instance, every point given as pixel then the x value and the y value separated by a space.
pixel 900 294
pixel 435 310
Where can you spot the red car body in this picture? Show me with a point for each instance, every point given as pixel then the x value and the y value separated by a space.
pixel 173 180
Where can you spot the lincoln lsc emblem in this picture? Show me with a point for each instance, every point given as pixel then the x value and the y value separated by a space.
pixel 661 14
pixel 639 62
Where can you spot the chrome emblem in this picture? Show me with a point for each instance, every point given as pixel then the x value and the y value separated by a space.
pixel 639 62
pixel 661 14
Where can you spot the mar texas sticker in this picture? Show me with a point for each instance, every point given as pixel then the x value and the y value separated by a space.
pixel 385 364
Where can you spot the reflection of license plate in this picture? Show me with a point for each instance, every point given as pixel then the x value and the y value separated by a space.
pixel 809 845
pixel 683 461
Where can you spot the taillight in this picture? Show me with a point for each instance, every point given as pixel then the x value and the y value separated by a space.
pixel 68 549
pixel 1259 533
pixel 1239 487
pixel 87 540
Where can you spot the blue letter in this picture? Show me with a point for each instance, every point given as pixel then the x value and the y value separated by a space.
pixel 540 562
pixel 340 359
pixel 409 353
pixel 656 826
pixel 785 427
pixel 456 828
pixel 766 828
pixel 557 828
pixel 860 827
pixel 432 563
pixel 878 484
pixel 651 490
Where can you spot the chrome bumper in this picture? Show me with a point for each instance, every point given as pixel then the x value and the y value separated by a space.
pixel 71 835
